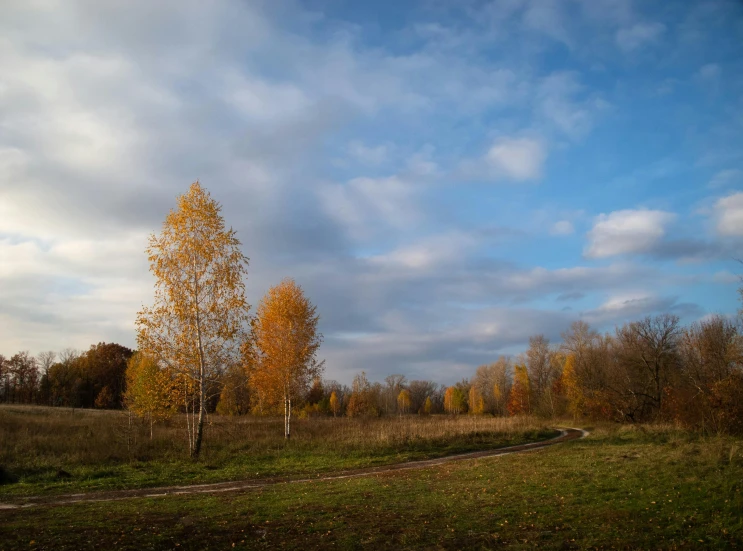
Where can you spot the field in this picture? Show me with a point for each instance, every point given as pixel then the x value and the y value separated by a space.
pixel 54 450
pixel 623 487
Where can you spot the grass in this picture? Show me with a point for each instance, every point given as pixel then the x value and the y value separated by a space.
pixel 621 488
pixel 52 451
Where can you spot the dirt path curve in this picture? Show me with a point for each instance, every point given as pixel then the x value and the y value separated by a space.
pixel 246 485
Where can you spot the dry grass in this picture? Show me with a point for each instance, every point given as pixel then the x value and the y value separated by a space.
pixel 36 442
pixel 94 436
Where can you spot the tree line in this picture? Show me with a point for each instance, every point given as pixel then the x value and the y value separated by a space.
pixel 647 370
pixel 70 378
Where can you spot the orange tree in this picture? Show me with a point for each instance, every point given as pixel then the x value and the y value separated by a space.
pixel 199 315
pixel 281 356
pixel 518 398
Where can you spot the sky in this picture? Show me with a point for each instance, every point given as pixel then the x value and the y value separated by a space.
pixel 443 178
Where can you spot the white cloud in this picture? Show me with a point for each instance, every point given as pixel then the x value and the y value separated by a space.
pixel 422 163
pixel 439 251
pixel 368 155
pixel 729 212
pixel 563 227
pixel 626 232
pixel 517 159
pixel 367 205
pixel 257 99
pixel 624 302
pixel 565 104
pixel 638 35
pixel 577 278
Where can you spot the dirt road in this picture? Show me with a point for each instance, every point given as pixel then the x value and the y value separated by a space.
pixel 246 485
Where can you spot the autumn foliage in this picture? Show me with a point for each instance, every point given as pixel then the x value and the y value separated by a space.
pixel 403 401
pixel 198 318
pixel 476 401
pixel 150 391
pixel 454 401
pixel 281 358
pixel 518 398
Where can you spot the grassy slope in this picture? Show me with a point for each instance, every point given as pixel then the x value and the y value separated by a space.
pixel 620 488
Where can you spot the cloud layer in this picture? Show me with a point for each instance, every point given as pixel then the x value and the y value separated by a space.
pixel 443 185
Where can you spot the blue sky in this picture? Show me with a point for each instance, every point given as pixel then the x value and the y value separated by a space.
pixel 444 179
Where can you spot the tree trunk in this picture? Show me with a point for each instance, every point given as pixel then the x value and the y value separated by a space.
pixel 287 417
pixel 129 434
pixel 202 386
pixel 200 426
pixel 188 419
pixel 202 378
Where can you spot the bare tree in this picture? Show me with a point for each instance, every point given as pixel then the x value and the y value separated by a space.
pixel 711 350
pixel 68 356
pixel 45 361
pixel 4 379
pixel 543 370
pixel 24 375
pixel 394 384
pixel 493 382
pixel 419 391
pixel 647 356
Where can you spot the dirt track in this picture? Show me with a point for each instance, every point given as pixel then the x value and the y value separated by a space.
pixel 246 485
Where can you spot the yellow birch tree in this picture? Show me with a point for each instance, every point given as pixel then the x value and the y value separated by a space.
pixel 477 402
pixel 403 401
pixel 281 357
pixel 453 400
pixel 334 405
pixel 149 390
pixel 427 406
pixel 200 313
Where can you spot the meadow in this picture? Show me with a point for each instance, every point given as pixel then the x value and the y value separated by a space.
pixel 623 487
pixel 60 450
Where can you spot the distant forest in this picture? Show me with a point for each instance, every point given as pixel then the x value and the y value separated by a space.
pixel 648 370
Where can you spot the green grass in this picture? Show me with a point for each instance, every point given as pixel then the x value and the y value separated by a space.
pixel 621 488
pixel 37 443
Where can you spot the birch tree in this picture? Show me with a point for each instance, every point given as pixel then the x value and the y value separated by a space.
pixel 200 313
pixel 282 354
pixel 476 401
pixel 149 390
pixel 428 406
pixel 454 401
pixel 334 404
pixel 403 401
